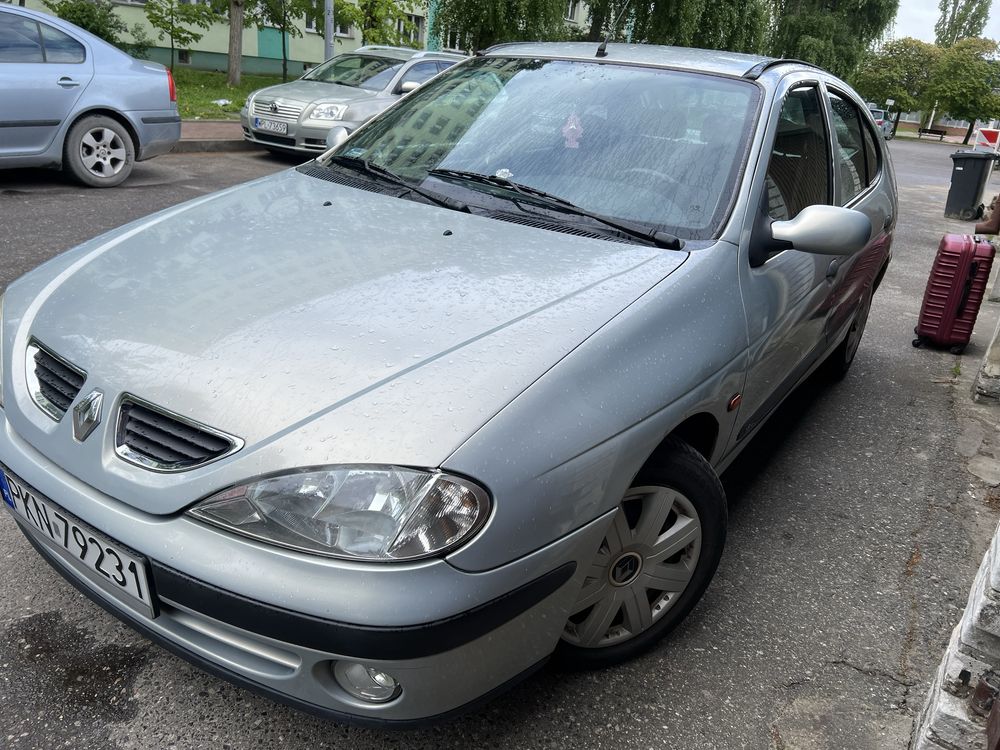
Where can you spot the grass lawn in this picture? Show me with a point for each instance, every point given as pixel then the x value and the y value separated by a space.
pixel 196 90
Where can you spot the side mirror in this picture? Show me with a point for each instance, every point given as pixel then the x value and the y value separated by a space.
pixel 825 230
pixel 335 136
pixel 408 86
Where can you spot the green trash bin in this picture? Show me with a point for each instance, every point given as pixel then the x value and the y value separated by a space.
pixel 969 175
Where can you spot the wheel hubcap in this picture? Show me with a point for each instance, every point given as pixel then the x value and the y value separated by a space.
pixel 102 152
pixel 643 566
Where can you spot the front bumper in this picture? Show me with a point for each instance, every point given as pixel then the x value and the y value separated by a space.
pixel 299 138
pixel 460 647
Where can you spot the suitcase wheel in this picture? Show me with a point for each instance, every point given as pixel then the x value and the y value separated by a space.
pixel 957 349
pixel 917 342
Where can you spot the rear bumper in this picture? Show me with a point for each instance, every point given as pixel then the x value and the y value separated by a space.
pixel 158 132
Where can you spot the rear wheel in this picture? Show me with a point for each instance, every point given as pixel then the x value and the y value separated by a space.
pixel 99 151
pixel 654 563
pixel 840 360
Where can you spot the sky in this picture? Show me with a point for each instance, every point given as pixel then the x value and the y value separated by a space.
pixel 916 18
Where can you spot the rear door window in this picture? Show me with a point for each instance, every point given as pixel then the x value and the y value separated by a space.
pixel 20 41
pixel 60 47
pixel 852 168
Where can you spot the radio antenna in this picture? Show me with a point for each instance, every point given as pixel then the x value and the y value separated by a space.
pixel 602 50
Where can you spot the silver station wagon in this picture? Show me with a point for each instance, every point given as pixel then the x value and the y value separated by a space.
pixel 380 434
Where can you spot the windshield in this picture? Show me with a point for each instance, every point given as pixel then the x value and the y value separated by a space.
pixel 360 71
pixel 660 147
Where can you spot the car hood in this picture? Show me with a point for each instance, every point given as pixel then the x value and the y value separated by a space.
pixel 321 323
pixel 310 91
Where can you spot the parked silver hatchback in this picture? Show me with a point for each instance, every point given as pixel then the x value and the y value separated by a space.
pixel 69 99
pixel 379 435
pixel 344 92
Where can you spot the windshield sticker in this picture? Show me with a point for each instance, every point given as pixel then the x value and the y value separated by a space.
pixel 572 131
pixel 503 174
pixel 355 153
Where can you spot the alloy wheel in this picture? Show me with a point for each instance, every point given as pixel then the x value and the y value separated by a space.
pixel 102 151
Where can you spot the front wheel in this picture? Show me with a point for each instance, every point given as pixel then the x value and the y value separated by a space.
pixel 99 151
pixel 654 563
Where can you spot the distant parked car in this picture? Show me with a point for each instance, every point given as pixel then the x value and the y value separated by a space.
pixel 883 121
pixel 69 99
pixel 345 91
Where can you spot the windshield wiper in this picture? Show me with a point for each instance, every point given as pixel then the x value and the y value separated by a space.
pixel 654 236
pixel 381 173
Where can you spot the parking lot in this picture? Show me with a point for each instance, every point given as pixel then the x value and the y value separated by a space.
pixel 855 531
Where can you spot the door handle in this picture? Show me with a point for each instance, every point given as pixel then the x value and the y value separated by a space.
pixel 67 83
pixel 888 222
pixel 832 270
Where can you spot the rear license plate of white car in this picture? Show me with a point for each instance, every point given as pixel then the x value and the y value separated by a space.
pixel 101 560
pixel 272 126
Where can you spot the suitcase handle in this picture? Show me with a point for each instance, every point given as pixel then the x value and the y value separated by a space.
pixel 967 289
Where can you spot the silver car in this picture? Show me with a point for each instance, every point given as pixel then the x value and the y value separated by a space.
pixel 70 100
pixel 344 92
pixel 379 435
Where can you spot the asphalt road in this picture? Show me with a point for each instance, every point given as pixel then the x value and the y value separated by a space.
pixel 855 531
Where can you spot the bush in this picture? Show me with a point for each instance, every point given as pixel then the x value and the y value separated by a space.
pixel 99 18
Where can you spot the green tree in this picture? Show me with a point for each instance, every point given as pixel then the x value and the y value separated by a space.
pixel 99 18
pixel 177 21
pixel 960 19
pixel 736 25
pixel 481 23
pixel 383 22
pixel 965 80
pixel 833 34
pixel 899 70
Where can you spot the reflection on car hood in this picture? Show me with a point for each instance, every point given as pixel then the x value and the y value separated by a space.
pixel 260 310
pixel 310 91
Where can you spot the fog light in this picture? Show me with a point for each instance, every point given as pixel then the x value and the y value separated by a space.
pixel 367 683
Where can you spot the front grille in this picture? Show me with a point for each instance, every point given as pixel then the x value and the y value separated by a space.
pixel 288 111
pixel 53 381
pixel 154 439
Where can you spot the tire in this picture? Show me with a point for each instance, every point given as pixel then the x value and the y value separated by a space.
pixel 669 531
pixel 839 362
pixel 99 151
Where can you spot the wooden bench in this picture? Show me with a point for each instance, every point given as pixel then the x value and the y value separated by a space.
pixel 932 131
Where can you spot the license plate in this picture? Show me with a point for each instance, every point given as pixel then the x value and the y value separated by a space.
pixel 101 560
pixel 272 126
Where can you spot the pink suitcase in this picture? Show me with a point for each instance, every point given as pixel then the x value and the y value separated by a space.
pixel 955 291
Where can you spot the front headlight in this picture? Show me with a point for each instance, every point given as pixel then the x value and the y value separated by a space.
pixel 328 112
pixel 385 513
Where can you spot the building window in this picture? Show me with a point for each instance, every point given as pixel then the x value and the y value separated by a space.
pixel 452 41
pixel 412 29
pixel 571 9
pixel 184 56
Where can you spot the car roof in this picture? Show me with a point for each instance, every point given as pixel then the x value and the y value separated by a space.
pixel 704 60
pixel 404 53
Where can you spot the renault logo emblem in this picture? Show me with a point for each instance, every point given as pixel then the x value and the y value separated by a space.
pixel 87 415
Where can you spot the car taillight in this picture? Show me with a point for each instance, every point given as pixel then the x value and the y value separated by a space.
pixel 171 86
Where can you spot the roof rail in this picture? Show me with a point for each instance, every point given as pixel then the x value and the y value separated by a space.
pixel 758 70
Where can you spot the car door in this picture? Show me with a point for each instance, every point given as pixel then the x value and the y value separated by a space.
pixel 43 71
pixel 785 291
pixel 859 165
